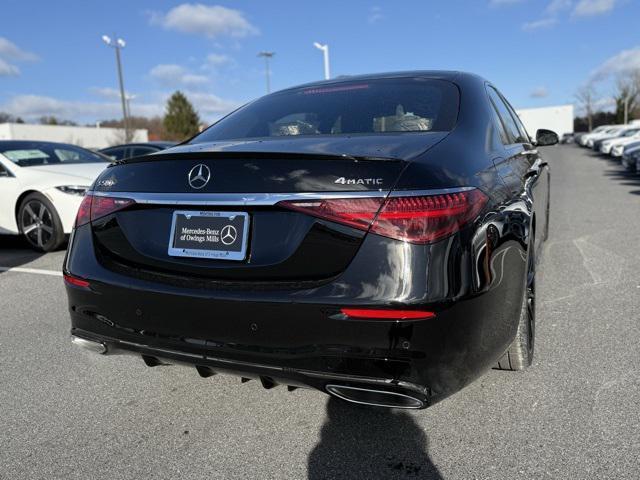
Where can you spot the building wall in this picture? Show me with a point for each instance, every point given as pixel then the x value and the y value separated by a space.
pixel 559 119
pixel 88 137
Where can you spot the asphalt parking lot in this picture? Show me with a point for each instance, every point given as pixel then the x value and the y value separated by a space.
pixel 574 414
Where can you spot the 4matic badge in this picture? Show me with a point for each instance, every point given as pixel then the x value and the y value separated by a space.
pixel 359 181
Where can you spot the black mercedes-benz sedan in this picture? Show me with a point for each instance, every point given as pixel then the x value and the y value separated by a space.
pixel 373 237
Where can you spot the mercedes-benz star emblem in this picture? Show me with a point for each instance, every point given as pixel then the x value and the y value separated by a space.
pixel 199 176
pixel 228 234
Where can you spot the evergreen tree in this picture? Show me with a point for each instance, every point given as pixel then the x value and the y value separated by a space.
pixel 181 121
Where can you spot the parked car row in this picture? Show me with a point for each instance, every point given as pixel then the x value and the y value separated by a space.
pixel 617 141
pixel 42 185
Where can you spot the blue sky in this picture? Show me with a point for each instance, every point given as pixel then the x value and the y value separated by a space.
pixel 52 60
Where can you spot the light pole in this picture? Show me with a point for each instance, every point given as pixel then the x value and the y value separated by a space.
pixel 129 97
pixel 325 51
pixel 267 56
pixel 117 44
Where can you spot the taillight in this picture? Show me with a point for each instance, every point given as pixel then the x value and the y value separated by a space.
pixel 355 212
pixel 415 219
pixel 103 206
pixel 92 208
pixel 427 219
pixel 84 212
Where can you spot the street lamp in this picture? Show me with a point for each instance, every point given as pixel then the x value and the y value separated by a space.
pixel 267 56
pixel 117 44
pixel 325 51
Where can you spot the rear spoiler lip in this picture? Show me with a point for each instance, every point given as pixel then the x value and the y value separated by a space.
pixel 248 155
pixel 263 199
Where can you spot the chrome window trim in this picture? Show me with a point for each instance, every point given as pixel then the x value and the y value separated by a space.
pixel 240 199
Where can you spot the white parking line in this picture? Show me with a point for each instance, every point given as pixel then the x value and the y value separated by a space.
pixel 37 271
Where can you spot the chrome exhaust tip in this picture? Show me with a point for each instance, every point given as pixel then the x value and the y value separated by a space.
pixel 376 398
pixel 92 346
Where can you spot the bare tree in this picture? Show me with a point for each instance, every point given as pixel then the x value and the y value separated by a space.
pixel 587 97
pixel 627 94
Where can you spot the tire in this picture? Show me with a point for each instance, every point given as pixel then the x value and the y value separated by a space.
pixel 519 355
pixel 39 223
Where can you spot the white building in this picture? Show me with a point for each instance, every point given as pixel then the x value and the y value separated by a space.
pixel 88 137
pixel 559 119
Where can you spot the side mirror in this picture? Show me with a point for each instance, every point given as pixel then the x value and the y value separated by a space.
pixel 3 172
pixel 545 138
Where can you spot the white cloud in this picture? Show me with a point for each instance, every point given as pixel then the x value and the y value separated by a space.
pixel 217 59
pixel 108 93
pixel 209 104
pixel 557 6
pixel 208 20
pixel 8 70
pixel 175 76
pixel 538 24
pixel 624 61
pixel 35 106
pixel 539 92
pixel 588 8
pixel 375 15
pixel 502 3
pixel 10 50
pixel 32 107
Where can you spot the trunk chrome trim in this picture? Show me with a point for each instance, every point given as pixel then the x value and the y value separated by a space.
pixel 248 199
pixel 435 191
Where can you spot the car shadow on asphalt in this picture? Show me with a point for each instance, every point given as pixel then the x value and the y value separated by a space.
pixel 366 442
pixel 624 177
pixel 15 251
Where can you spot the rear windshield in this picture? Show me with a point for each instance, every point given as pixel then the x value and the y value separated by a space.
pixel 28 154
pixel 359 107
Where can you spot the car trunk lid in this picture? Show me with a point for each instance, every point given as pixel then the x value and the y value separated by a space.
pixel 281 245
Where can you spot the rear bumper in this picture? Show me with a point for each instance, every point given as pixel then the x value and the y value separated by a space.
pixel 295 337
pixel 388 391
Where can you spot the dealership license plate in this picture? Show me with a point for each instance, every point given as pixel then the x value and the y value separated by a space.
pixel 216 235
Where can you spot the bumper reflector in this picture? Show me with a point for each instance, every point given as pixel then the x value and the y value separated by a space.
pixel 373 314
pixel 76 282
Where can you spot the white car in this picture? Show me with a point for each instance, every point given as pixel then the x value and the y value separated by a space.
pixel 41 187
pixel 609 132
pixel 627 136
pixel 596 131
pixel 615 146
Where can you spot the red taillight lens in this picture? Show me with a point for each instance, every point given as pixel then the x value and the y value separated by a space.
pixel 102 206
pixel 355 212
pixel 75 281
pixel 84 212
pixel 430 218
pixel 374 314
pixel 92 208
pixel 417 219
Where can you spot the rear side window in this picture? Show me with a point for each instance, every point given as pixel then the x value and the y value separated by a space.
pixel 117 153
pixel 137 151
pixel 523 131
pixel 513 133
pixel 499 125
pixel 28 154
pixel 361 107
